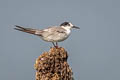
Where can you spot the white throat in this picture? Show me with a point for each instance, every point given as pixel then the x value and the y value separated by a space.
pixel 68 29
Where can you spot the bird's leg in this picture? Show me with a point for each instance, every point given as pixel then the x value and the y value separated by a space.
pixel 56 45
pixel 53 44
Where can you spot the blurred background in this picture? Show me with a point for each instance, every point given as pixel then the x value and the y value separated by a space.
pixel 94 50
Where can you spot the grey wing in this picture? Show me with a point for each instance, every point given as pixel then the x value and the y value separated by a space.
pixel 54 34
pixel 53 31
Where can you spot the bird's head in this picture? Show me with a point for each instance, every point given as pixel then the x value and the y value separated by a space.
pixel 68 25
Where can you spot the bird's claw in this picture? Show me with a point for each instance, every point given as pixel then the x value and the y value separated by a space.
pixel 56 47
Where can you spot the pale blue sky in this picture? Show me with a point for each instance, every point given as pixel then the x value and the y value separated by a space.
pixel 94 50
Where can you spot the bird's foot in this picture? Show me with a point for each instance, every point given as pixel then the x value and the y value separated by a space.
pixel 56 47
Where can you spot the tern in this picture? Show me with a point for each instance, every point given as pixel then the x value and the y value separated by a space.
pixel 52 34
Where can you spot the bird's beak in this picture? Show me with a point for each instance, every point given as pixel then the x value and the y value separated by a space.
pixel 76 27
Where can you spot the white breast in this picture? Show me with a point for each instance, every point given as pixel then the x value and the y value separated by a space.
pixel 68 31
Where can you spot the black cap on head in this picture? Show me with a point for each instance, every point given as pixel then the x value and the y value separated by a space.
pixel 65 24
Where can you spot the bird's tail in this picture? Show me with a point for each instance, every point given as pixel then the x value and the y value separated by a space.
pixel 27 30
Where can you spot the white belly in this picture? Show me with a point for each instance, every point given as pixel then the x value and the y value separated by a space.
pixel 56 38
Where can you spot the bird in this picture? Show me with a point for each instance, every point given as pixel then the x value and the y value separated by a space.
pixel 52 34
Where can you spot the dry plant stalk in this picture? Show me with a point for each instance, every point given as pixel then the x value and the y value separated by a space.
pixel 53 65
